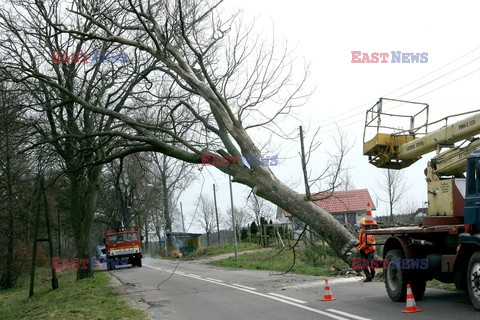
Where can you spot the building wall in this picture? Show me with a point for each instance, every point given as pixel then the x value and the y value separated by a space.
pixel 349 217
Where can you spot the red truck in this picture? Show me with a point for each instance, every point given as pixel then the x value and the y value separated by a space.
pixel 449 236
pixel 121 244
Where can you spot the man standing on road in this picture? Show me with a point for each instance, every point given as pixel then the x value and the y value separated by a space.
pixel 366 245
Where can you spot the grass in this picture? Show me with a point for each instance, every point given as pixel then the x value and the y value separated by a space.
pixel 211 251
pixel 440 285
pixel 228 248
pixel 86 299
pixel 308 261
pixel 222 249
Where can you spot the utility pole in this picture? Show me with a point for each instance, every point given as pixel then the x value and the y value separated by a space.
pixel 183 222
pixel 59 244
pixel 304 169
pixel 233 221
pixel 304 165
pixel 216 213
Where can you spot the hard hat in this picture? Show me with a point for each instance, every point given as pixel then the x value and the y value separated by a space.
pixel 362 221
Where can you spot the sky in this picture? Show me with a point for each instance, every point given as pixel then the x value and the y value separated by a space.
pixel 324 34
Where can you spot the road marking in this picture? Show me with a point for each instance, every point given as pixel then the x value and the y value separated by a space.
pixel 348 314
pixel 321 283
pixel 330 315
pixel 214 279
pixel 288 298
pixel 245 287
pixel 194 275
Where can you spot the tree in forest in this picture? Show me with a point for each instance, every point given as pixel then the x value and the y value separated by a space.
pixel 56 89
pixel 15 172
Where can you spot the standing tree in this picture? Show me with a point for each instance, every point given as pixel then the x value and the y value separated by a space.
pixel 240 217
pixel 393 187
pixel 173 178
pixel 253 229
pixel 57 85
pixel 207 216
pixel 14 171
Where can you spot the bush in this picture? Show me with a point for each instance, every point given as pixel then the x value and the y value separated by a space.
pixel 253 229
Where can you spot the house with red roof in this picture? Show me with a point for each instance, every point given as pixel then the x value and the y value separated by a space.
pixel 347 206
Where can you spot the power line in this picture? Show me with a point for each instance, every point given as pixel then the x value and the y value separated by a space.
pixel 394 107
pixel 404 86
pixel 423 85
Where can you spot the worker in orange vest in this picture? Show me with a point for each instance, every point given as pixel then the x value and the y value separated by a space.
pixel 366 246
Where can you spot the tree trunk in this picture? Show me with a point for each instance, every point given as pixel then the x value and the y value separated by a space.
pixel 49 233
pixel 8 275
pixel 270 188
pixel 83 199
pixel 166 210
pixel 208 239
pixel 146 235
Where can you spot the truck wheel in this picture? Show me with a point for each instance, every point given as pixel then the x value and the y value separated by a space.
pixel 418 288
pixel 107 262
pixel 395 276
pixel 473 279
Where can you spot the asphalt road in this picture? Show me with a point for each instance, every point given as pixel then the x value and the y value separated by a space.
pixel 198 291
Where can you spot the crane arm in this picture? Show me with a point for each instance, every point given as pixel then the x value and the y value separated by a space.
pixel 400 150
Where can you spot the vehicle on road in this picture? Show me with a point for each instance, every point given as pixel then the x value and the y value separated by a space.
pixel 124 242
pixel 449 235
pixel 100 253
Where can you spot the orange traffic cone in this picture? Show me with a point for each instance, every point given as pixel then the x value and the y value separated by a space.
pixel 328 293
pixel 368 218
pixel 411 306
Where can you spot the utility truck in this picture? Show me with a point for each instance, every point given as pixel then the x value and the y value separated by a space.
pixel 449 235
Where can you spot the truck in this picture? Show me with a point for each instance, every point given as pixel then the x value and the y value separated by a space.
pixel 448 237
pixel 122 244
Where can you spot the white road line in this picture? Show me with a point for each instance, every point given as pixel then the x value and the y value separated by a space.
pixel 330 315
pixel 244 287
pixel 321 283
pixel 194 275
pixel 346 314
pixel 288 298
pixel 214 279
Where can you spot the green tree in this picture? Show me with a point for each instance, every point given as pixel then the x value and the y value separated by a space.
pixel 244 233
pixel 253 228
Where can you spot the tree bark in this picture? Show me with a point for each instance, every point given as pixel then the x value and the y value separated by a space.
pixel 83 199
pixel 166 211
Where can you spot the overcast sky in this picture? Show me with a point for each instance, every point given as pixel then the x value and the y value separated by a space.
pixel 325 33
